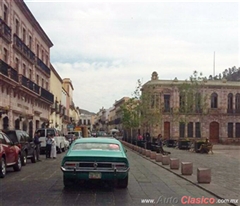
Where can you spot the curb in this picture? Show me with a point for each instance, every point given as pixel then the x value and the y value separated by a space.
pixel 183 177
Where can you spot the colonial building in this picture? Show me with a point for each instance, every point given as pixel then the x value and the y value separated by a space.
pixel 218 119
pixel 56 115
pixel 24 69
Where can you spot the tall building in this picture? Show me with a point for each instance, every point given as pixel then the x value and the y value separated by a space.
pixel 217 119
pixel 24 69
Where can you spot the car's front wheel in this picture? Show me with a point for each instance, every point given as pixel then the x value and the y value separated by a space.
pixel 123 183
pixel 24 158
pixel 18 165
pixel 3 168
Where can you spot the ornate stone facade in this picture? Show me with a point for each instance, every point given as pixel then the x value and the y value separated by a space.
pixel 218 120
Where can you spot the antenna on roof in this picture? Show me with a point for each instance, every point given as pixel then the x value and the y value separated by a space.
pixel 214 65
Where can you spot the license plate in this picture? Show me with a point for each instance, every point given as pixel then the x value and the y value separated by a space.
pixel 95 175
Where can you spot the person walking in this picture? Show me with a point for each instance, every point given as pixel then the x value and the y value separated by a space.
pixel 48 146
pixel 53 149
pixel 37 142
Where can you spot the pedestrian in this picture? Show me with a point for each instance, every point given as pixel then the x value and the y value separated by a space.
pixel 53 148
pixel 140 138
pixel 37 142
pixel 48 145
pixel 159 140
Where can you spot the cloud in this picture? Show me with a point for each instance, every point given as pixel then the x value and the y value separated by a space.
pixel 105 47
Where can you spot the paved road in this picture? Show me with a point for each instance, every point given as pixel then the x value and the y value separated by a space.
pixel 41 184
pixel 224 164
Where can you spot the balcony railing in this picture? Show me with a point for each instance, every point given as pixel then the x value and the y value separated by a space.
pixel 47 95
pixel 43 66
pixel 8 71
pixel 29 84
pixel 23 48
pixel 5 31
pixel 4 68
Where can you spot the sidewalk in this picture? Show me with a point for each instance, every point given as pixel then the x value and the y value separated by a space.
pixel 225 169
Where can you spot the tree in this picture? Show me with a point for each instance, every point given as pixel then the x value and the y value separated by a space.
pixel 192 100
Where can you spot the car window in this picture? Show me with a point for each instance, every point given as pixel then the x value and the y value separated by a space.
pixel 21 136
pixel 12 136
pixel 42 132
pixel 2 140
pixel 96 146
pixel 6 139
pixel 26 136
pixel 51 131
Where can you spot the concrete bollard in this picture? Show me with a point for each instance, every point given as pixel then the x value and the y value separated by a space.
pixel 158 157
pixel 165 160
pixel 186 168
pixel 174 163
pixel 147 153
pixel 153 155
pixel 203 175
pixel 143 152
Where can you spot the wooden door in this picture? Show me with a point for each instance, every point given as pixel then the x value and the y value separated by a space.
pixel 214 132
pixel 166 130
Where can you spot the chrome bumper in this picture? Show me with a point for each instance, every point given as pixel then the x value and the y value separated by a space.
pixel 76 170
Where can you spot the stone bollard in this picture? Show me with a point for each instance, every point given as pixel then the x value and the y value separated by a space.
pixel 143 151
pixel 174 163
pixel 147 153
pixel 165 160
pixel 203 175
pixel 153 155
pixel 186 168
pixel 158 157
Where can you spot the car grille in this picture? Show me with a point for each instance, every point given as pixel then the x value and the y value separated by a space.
pixel 95 165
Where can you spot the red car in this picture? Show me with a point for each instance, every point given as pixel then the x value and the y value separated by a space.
pixel 10 155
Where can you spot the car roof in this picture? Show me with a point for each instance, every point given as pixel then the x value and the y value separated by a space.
pixel 97 140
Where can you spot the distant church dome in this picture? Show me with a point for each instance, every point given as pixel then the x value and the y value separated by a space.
pixel 154 76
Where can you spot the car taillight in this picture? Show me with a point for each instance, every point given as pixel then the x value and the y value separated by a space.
pixel 70 164
pixel 121 166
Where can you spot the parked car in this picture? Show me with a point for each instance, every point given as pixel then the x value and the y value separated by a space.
pixel 10 155
pixel 77 134
pixel 58 136
pixel 96 159
pixel 25 143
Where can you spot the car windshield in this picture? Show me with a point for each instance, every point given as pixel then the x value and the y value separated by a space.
pixel 12 136
pixel 96 146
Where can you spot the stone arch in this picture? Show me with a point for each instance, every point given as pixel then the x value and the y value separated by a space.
pixel 17 124
pixel 25 126
pixel 5 123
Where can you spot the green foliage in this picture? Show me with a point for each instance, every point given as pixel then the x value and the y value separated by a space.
pixel 192 99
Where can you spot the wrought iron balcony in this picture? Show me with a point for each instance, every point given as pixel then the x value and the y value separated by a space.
pixel 5 31
pixel 8 71
pixel 23 48
pixel 29 84
pixel 43 66
pixel 47 95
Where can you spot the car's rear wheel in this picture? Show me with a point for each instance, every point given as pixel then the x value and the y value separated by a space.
pixel 18 165
pixel 34 157
pixel 123 183
pixel 3 168
pixel 67 182
pixel 24 158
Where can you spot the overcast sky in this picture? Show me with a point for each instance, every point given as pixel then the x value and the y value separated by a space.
pixel 104 48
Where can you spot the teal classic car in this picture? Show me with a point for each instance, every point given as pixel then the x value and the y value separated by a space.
pixel 96 159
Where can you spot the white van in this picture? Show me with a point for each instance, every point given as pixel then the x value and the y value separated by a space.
pixel 59 138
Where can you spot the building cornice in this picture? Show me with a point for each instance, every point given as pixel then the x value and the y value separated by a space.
pixel 28 14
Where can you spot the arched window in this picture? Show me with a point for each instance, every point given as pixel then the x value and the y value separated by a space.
pixel 230 103
pixel 237 103
pixel 214 100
